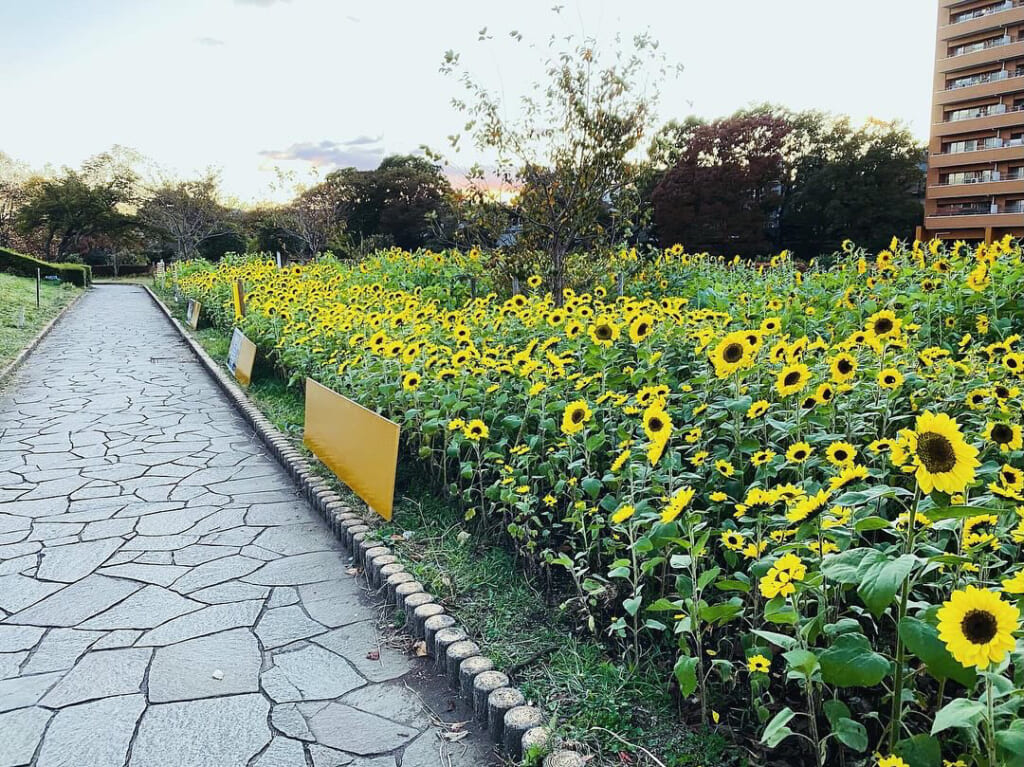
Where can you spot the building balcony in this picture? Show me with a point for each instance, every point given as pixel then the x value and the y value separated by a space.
pixel 997 86
pixel 1003 186
pixel 972 220
pixel 995 53
pixel 1011 118
pixel 1008 13
pixel 976 157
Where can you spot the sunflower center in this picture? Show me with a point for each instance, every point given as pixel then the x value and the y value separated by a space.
pixel 655 424
pixel 840 455
pixel 1002 433
pixel 791 379
pixel 603 332
pixel 1002 392
pixel 733 353
pixel 577 416
pixel 883 326
pixel 890 379
pixel 641 329
pixel 979 626
pixel 845 367
pixel 936 452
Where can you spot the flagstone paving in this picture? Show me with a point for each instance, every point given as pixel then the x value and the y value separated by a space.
pixel 166 598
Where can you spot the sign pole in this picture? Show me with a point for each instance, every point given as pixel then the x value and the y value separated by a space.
pixel 38 278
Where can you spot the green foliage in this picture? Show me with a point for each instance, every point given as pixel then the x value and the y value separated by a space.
pixel 20 320
pixel 26 266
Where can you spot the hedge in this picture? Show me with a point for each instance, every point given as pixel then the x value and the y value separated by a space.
pixel 127 270
pixel 25 266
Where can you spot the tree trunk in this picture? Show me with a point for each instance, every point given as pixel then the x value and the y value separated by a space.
pixel 558 274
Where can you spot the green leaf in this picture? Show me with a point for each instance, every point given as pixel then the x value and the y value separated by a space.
pixel 780 640
pixel 871 523
pixel 881 577
pixel 959 713
pixel 778 610
pixel 632 604
pixel 850 662
pixel 843 567
pixel 727 585
pixel 957 512
pixel 686 674
pixel 851 734
pixel 923 640
pixel 919 751
pixel 721 613
pixel 1011 740
pixel 592 486
pixel 776 731
pixel 804 662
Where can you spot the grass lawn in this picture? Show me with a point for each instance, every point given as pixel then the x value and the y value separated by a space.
pixel 590 693
pixel 20 320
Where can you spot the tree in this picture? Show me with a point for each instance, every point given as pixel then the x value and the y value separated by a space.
pixel 315 217
pixel 568 149
pixel 726 187
pixel 186 214
pixel 864 184
pixel 69 213
pixel 13 176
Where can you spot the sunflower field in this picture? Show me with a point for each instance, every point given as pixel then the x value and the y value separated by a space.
pixel 805 486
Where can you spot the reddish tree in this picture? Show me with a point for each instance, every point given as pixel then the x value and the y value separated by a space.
pixel 724 192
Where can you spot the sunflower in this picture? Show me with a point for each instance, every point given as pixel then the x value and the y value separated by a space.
pixel 884 324
pixel 731 354
pixel 1014 362
pixel 890 378
pixel 640 328
pixel 534 281
pixel 761 457
pixel 977 626
pixel 733 540
pixel 1014 585
pixel 679 501
pixel 411 381
pixel 575 417
pixel 657 423
pixel 604 331
pixel 849 474
pixel 758 664
pixel 476 430
pixel 824 394
pixel 757 409
pixel 976 398
pixel 1011 477
pixel 782 575
pixel 792 379
pixel 840 453
pixel 1007 436
pixel 624 513
pixel 799 452
pixel 944 461
pixel 725 468
pixel 891 761
pixel 843 367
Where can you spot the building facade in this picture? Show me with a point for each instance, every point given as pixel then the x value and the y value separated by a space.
pixel 975 188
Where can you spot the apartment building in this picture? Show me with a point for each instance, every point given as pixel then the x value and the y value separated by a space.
pixel 975 188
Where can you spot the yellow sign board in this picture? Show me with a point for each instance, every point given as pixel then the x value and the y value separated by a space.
pixel 358 445
pixel 192 315
pixel 241 356
pixel 238 299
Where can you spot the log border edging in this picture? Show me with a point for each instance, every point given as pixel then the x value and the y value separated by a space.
pixel 511 723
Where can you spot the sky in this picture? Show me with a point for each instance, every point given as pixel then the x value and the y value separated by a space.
pixel 247 86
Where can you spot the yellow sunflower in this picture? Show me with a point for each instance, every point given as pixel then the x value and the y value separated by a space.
pixel 977 626
pixel 640 328
pixel 604 331
pixel 476 430
pixel 782 576
pixel 758 664
pixel 799 452
pixel 731 354
pixel 884 324
pixel 657 423
pixel 1007 435
pixel 890 378
pixel 792 379
pixel 943 460
pixel 840 453
pixel 575 417
pixel 843 367
pixel 411 381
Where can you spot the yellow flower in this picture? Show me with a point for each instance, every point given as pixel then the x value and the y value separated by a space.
pixel 476 430
pixel 977 626
pixel 1008 436
pixel 718 496
pixel 624 513
pixel 943 460
pixel 891 761
pixel 758 664
pixel 799 452
pixel 1014 585
pixel 733 540
pixel 890 378
pixel 604 331
pixel 840 453
pixel 757 409
pixel 657 423
pixel 780 579
pixel 640 328
pixel 792 379
pixel 575 417
pixel 411 381
pixel 679 501
pixel 732 353
pixel 725 468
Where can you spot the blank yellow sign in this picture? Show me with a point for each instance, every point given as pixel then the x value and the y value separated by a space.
pixel 241 357
pixel 358 445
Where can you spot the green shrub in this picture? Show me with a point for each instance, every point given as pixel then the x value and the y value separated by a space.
pixel 25 266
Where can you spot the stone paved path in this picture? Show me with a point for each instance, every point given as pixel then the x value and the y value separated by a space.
pixel 165 596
